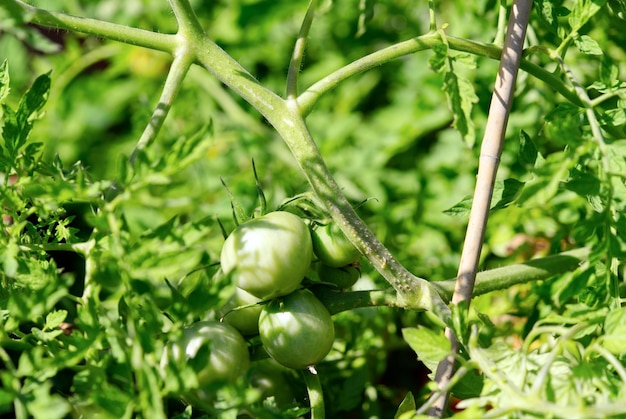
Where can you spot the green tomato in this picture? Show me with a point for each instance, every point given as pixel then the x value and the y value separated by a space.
pixel 273 380
pixel 216 351
pixel 343 277
pixel 296 330
pixel 332 247
pixel 268 256
pixel 246 320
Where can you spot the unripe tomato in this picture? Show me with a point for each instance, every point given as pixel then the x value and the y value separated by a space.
pixel 216 351
pixel 296 330
pixel 246 320
pixel 332 247
pixel 343 277
pixel 273 380
pixel 269 255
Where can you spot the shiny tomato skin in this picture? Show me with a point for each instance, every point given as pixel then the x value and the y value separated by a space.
pixel 216 351
pixel 332 247
pixel 344 277
pixel 296 330
pixel 269 255
pixel 245 320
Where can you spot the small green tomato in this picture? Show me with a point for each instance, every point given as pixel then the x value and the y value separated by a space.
pixel 216 351
pixel 246 320
pixel 343 277
pixel 268 256
pixel 296 330
pixel 332 247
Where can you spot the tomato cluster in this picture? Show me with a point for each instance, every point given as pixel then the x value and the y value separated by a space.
pixel 268 258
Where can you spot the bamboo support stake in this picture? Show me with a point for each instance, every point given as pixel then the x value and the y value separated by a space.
pixel 488 165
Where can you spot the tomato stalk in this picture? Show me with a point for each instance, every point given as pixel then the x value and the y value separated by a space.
pixel 314 389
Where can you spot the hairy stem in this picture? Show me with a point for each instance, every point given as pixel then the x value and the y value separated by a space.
pixel 298 51
pixel 108 30
pixel 182 61
pixel 488 165
pixel 308 98
pixel 487 281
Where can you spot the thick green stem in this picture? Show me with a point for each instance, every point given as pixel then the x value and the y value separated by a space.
pixel 108 30
pixel 298 51
pixel 182 61
pixel 492 280
pixel 520 273
pixel 308 98
pixel 314 390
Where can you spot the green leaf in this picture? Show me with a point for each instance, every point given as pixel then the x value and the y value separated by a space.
pixel 588 45
pixel 407 408
pixel 461 98
pixel 504 193
pixel 583 184
pixel 4 81
pixel 45 405
pixel 614 338
pixel 458 89
pixel 549 14
pixel 55 318
pixel 17 125
pixel 528 152
pixel 439 59
pixel 582 11
pixel 431 347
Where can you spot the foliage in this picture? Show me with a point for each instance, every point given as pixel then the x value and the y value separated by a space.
pixel 112 234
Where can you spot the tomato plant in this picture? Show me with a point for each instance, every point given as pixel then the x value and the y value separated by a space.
pixel 296 330
pixel 332 247
pixel 268 256
pixel 471 152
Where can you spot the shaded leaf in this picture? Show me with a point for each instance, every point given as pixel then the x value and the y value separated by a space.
pixel 504 193
pixel 407 408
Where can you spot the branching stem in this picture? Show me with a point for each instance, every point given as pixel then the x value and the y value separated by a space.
pixel 298 51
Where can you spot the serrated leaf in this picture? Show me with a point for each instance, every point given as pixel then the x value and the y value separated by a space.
pixel 614 117
pixel 55 318
pixel 504 193
pixel 548 181
pixel 34 99
pixel 431 347
pixel 18 124
pixel 461 98
pixel 615 321
pixel 547 14
pixel 582 11
pixel 438 60
pixel 587 45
